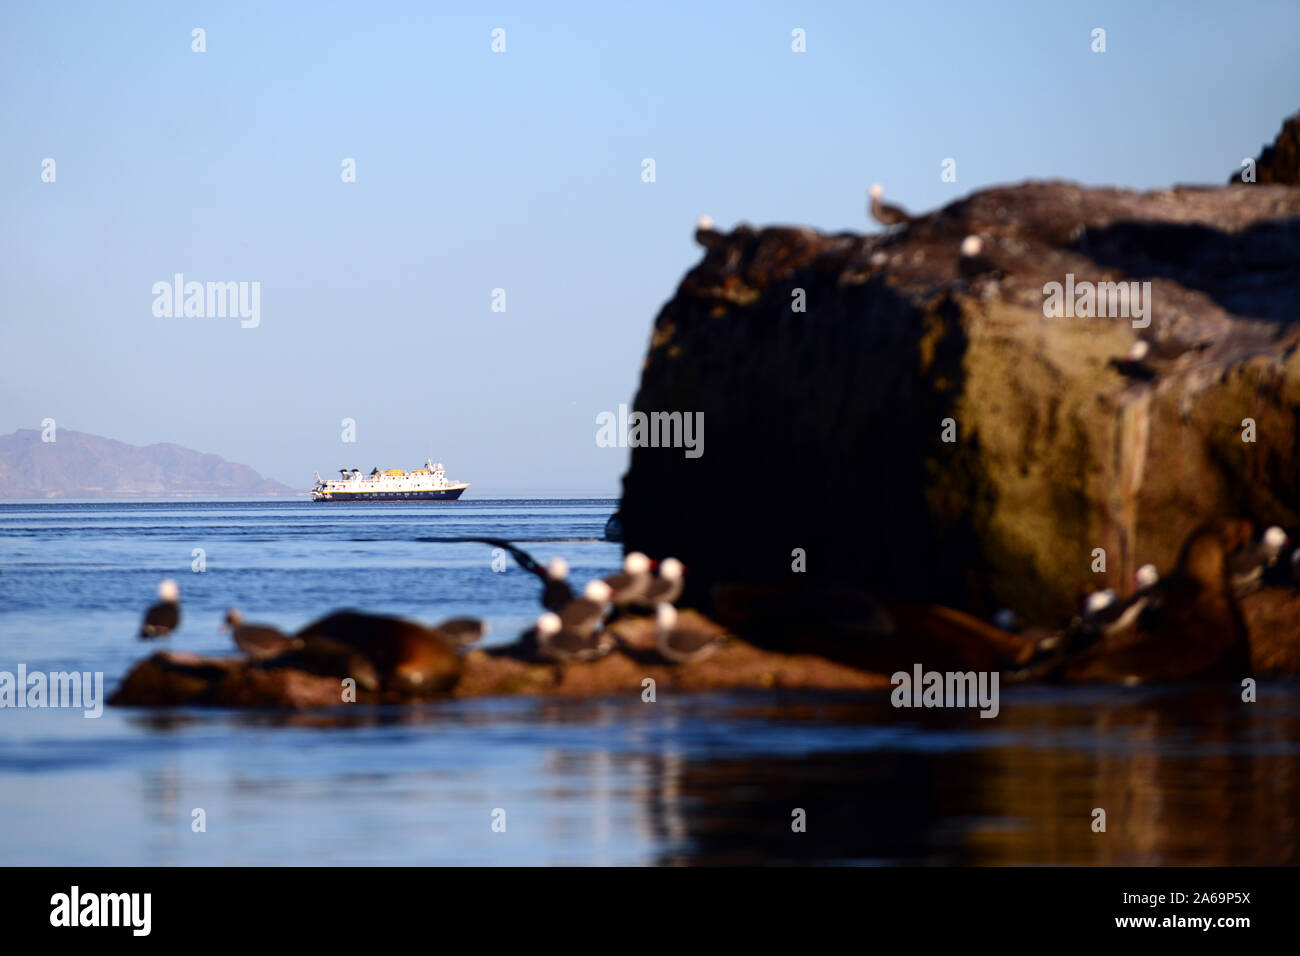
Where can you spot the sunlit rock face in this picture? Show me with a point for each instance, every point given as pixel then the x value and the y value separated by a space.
pixel 825 428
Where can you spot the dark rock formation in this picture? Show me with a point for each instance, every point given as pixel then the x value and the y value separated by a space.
pixel 825 427
pixel 78 465
pixel 1279 163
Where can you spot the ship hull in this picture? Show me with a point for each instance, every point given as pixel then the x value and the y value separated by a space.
pixel 443 494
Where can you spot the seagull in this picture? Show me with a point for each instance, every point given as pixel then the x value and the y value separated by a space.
pixel 629 586
pixel 972 263
pixel 706 235
pixel 1097 602
pixel 1146 577
pixel 556 591
pixel 1189 625
pixel 165 616
pixel 884 213
pixel 463 631
pixel 259 641
pixel 1103 612
pixel 586 615
pixel 1134 364
pixel 667 587
pixel 681 645
pixel 563 644
pixel 1249 567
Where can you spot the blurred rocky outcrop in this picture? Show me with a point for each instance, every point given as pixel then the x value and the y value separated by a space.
pixel 177 679
pixel 824 428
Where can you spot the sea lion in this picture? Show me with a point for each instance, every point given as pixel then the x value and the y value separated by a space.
pixel 1188 627
pixel 406 656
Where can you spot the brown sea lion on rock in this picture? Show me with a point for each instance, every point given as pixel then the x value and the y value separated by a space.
pixel 406 656
pixel 1191 626
pixel 848 625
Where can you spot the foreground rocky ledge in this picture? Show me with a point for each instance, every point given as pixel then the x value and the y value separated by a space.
pixel 177 679
pixel 172 679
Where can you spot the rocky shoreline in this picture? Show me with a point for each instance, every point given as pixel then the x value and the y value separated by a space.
pixel 171 679
pixel 174 679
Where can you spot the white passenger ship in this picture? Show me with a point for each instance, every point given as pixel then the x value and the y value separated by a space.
pixel 429 483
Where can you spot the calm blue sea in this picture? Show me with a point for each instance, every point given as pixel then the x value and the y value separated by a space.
pixel 1185 775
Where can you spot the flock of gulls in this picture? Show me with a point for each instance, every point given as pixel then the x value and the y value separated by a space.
pixel 972 263
pixel 379 650
pixel 1184 625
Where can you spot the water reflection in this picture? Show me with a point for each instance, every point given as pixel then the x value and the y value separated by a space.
pixel 1186 777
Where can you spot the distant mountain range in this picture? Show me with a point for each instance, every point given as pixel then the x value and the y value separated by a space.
pixel 77 465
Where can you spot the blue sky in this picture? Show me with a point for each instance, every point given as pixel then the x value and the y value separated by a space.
pixel 520 171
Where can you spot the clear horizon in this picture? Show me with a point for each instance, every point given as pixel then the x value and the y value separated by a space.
pixel 520 171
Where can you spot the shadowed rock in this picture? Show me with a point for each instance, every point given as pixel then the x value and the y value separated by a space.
pixel 825 428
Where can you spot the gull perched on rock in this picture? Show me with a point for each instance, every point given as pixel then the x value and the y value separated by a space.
pixel 1187 625
pixel 462 631
pixel 629 586
pixel 972 263
pixel 678 644
pixel 1134 364
pixel 884 213
pixel 667 587
pixel 705 234
pixel 259 641
pixel 563 643
pixel 1250 566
